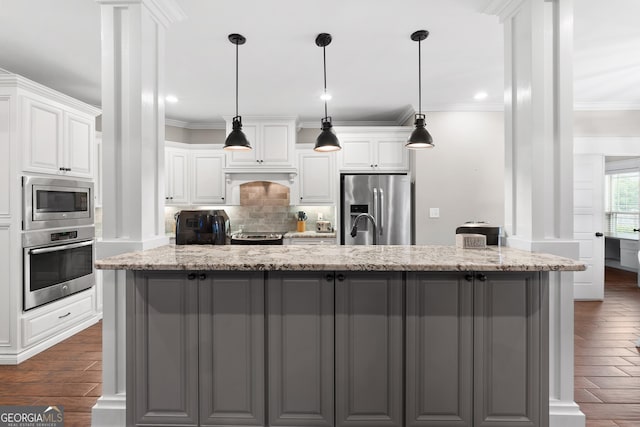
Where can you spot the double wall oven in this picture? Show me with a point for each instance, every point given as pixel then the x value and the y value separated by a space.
pixel 58 238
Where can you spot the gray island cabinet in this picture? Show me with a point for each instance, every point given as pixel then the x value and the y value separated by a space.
pixel 392 339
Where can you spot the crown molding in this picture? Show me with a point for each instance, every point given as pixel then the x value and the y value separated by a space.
pixel 408 112
pixel 17 81
pixel 606 106
pixel 194 125
pixel 504 9
pixel 165 12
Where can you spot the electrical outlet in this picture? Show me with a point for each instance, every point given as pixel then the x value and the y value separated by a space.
pixel 434 212
pixel 320 216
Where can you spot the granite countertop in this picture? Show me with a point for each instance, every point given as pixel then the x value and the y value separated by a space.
pixel 311 234
pixel 336 257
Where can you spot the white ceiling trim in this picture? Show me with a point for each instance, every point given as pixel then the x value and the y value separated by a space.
pixel 165 12
pixel 504 9
pixel 606 106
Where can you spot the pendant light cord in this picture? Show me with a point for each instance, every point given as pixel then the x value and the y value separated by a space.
pixel 324 60
pixel 236 79
pixel 419 77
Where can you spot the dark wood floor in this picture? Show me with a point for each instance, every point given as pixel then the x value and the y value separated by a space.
pixel 607 364
pixel 68 374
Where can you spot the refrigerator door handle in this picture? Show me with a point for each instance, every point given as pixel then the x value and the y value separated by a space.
pixel 376 201
pixel 381 212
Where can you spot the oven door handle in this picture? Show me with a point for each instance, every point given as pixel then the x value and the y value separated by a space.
pixel 60 248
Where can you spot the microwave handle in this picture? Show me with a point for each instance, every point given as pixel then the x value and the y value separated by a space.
pixel 60 248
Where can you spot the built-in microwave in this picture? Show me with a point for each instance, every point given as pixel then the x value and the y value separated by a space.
pixel 54 203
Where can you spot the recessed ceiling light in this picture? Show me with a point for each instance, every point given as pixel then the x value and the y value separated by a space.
pixel 171 98
pixel 480 96
pixel 325 96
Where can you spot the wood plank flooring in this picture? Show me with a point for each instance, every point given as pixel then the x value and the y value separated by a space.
pixel 68 374
pixel 607 362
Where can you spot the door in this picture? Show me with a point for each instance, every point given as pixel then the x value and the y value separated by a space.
pixel 357 198
pixel 231 351
pixel 43 136
pixel 300 312
pixel 369 349
pixel 316 178
pixel 207 180
pixel 393 210
pixel 78 148
pixel 177 168
pixel 588 223
pixel 439 350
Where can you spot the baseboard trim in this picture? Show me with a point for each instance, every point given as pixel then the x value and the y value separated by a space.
pixel 109 411
pixel 565 414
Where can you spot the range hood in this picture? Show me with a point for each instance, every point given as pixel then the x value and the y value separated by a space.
pixel 235 177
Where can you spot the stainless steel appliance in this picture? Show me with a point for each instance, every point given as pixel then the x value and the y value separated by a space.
pixel 57 263
pixel 386 198
pixel 202 227
pixel 53 203
pixel 257 238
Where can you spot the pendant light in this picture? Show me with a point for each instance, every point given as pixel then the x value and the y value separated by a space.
pixel 237 139
pixel 327 140
pixel 420 137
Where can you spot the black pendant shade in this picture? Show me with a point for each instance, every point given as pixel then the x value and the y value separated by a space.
pixel 327 140
pixel 420 137
pixel 237 140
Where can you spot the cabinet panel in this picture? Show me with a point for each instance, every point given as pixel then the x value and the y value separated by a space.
pixel 245 157
pixel 317 172
pixel 391 155
pixel 300 355
pixel 511 351
pixel 439 350
pixel 177 169
pixel 356 154
pixel 207 184
pixel 42 127
pixel 369 352
pixel 6 151
pixel 78 133
pixel 276 146
pixel 232 349
pixel 165 350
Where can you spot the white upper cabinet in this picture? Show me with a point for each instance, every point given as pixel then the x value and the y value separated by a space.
pixel 56 140
pixel 272 141
pixel 176 184
pixel 194 174
pixel 207 183
pixel 317 177
pixel 373 149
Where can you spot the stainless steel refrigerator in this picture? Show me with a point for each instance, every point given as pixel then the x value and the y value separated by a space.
pixel 387 198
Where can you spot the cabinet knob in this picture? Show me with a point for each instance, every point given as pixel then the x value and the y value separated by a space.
pixel 202 276
pixel 222 198
pixel 468 277
pixel 191 276
pixel 62 169
pixel 376 165
pixel 481 277
pixel 340 277
pixel 329 277
pixel 371 165
pixel 599 234
pixel 636 229
pixel 68 169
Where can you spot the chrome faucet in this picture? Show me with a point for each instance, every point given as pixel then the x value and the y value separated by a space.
pixel 354 230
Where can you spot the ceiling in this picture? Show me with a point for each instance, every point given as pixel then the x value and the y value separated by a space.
pixel 371 64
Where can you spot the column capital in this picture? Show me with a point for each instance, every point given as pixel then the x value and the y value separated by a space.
pixel 502 8
pixel 165 12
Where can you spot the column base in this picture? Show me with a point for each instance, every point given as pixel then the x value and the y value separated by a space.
pixel 109 411
pixel 565 414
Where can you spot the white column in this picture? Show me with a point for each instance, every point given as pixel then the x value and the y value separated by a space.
pixel 133 164
pixel 538 39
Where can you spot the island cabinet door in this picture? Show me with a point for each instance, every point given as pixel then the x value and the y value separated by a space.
pixel 232 348
pixel 369 349
pixel 300 313
pixel 162 361
pixel 511 350
pixel 439 350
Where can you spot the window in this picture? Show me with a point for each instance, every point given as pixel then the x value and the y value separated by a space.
pixel 622 204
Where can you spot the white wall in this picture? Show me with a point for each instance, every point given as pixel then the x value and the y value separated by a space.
pixel 463 175
pixel 606 123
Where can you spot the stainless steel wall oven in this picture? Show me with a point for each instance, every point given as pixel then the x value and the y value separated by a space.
pixel 57 263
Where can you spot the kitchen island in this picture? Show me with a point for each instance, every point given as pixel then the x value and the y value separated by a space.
pixel 337 335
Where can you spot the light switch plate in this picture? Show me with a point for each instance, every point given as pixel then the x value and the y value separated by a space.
pixel 434 212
